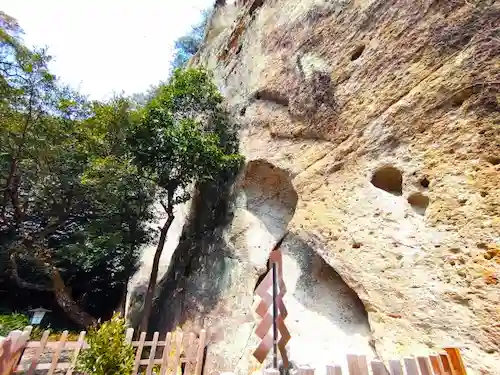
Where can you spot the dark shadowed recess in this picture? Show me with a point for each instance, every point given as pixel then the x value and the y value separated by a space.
pixel 201 250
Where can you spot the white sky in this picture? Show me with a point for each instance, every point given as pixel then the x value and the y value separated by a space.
pixel 101 46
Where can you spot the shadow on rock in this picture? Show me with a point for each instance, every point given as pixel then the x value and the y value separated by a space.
pixel 198 272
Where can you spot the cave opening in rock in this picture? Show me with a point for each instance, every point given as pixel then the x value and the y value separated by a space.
pixel 388 178
pixel 325 315
pixel 272 96
pixel 358 51
pixel 270 200
pixel 419 202
pixel 460 97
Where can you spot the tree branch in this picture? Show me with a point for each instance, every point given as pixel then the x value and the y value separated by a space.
pixel 23 283
pixel 164 206
pixel 60 290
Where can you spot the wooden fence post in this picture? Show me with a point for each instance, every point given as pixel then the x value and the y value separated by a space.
pixel 11 349
pixel 424 363
pixel 395 367
pixel 456 360
pixel 138 354
pixel 378 367
pixel 166 353
pixel 333 369
pixel 304 370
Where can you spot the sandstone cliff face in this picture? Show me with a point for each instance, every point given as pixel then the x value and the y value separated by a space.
pixel 384 118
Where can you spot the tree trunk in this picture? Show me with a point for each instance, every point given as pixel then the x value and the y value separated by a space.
pixel 123 303
pixel 7 188
pixel 148 299
pixel 60 290
pixel 67 303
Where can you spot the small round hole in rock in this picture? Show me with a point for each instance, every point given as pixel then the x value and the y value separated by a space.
pixel 419 202
pixel 424 182
pixel 493 160
pixel 357 52
pixel 460 97
pixel 389 179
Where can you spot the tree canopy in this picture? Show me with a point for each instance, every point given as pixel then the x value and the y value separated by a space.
pixel 71 201
pixel 187 45
pixel 78 178
pixel 183 138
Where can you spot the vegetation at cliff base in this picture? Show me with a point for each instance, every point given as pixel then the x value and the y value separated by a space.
pixel 108 353
pixel 11 322
pixel 78 179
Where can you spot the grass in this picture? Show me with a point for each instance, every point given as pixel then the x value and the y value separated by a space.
pixel 11 322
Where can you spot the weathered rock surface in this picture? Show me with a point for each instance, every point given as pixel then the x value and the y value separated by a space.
pixel 386 115
pixel 222 254
pixel 138 284
pixel 372 131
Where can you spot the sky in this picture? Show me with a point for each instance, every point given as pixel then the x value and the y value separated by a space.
pixel 106 46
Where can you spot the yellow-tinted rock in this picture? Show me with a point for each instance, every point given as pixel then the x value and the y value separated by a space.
pixel 348 87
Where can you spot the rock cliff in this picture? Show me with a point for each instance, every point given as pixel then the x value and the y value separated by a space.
pixel 371 130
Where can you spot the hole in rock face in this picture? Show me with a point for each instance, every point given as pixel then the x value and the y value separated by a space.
pixel 389 179
pixel 271 96
pixel 460 97
pixel 493 160
pixel 358 51
pixel 268 197
pixel 255 5
pixel 323 310
pixel 419 202
pixel 424 182
pixel 243 111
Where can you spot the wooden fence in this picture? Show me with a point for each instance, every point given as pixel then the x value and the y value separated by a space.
pixel 166 355
pixel 448 362
pixel 11 350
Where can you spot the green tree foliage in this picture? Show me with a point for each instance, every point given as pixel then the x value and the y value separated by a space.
pixel 108 353
pixel 184 137
pixel 78 178
pixel 187 45
pixel 72 206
